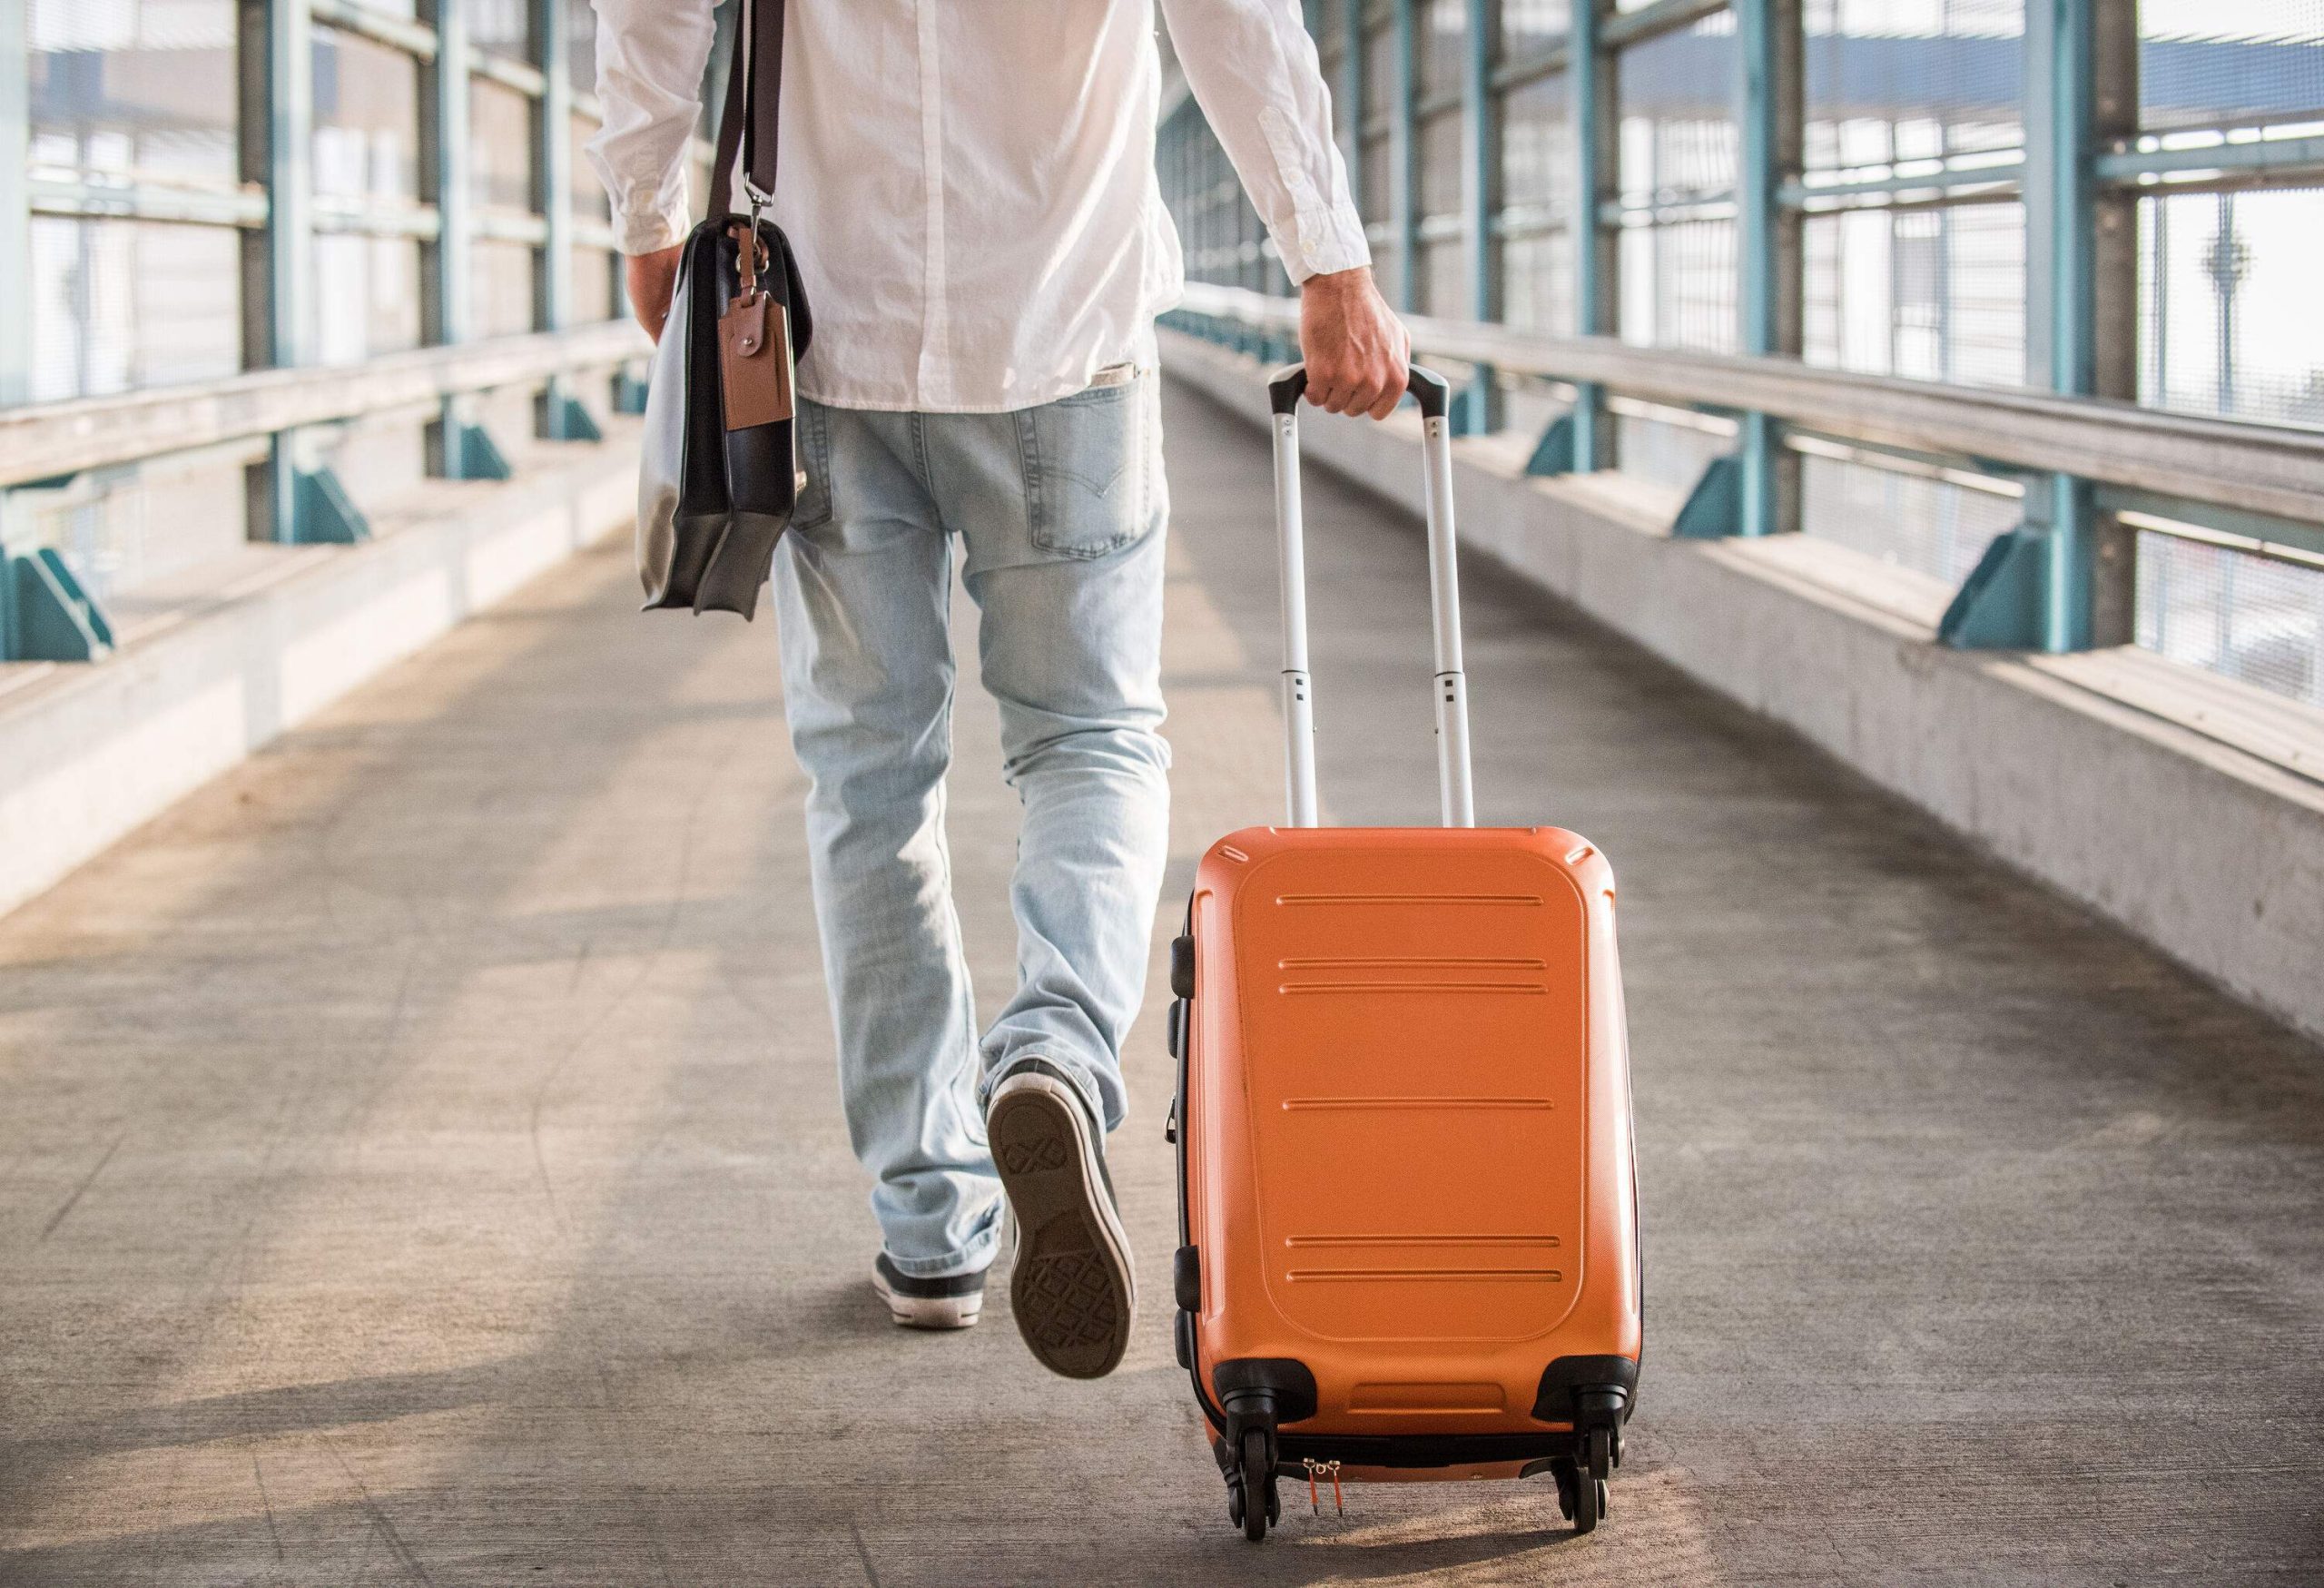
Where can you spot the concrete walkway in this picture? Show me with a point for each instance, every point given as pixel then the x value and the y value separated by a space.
pixel 422 1161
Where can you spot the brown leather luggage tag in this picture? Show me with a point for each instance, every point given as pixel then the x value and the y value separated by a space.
pixel 754 354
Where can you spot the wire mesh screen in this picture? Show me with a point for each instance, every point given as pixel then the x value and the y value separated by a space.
pixel 142 92
pixel 500 278
pixel 500 147
pixel 1537 169
pixel 1937 294
pixel 121 530
pixel 501 27
pixel 2232 612
pixel 117 304
pixel 2229 316
pixel 1678 286
pixel 1439 45
pixel 366 119
pixel 1677 104
pixel 1666 452
pixel 1530 26
pixel 1442 173
pixel 581 44
pixel 1537 283
pixel 2206 63
pixel 1902 80
pixel 1931 526
pixel 366 298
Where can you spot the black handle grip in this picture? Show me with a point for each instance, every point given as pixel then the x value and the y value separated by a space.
pixel 1429 389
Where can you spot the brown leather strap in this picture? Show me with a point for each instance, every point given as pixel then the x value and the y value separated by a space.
pixel 750 120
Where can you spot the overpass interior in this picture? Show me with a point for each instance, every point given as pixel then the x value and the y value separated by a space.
pixel 422 1153
pixel 424 1160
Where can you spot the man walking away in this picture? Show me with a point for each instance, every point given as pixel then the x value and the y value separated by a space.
pixel 970 188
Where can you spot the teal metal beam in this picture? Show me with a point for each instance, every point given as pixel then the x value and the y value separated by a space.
pixel 1403 153
pixel 279 305
pixel 457 447
pixel 49 617
pixel 1590 107
pixel 1477 409
pixel 1768 118
pixel 16 213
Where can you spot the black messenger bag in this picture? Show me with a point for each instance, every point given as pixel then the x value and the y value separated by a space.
pixel 719 473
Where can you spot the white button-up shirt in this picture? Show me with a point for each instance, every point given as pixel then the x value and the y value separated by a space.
pixel 969 185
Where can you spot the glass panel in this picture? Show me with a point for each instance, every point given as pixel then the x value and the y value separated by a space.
pixel 1444 279
pixel 1678 286
pixel 1439 39
pixel 2228 612
pixel 501 280
pixel 1677 96
pixel 1376 192
pixel 366 119
pixel 117 304
pixel 367 297
pixel 589 200
pixel 1379 74
pixel 593 284
pixel 501 27
pixel 122 531
pixel 2228 318
pixel 1930 525
pixel 1537 284
pixel 1934 294
pixel 1537 147
pixel 1530 26
pixel 581 44
pixel 500 146
pixel 1668 453
pixel 1330 24
pixel 1441 182
pixel 2229 63
pixel 136 90
pixel 1891 80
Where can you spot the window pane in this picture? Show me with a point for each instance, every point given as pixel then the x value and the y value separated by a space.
pixel 2203 63
pixel 367 297
pixel 501 27
pixel 2229 322
pixel 501 279
pixel 136 90
pixel 1930 525
pixel 2228 612
pixel 1892 80
pixel 1933 294
pixel 366 119
pixel 118 304
pixel 500 146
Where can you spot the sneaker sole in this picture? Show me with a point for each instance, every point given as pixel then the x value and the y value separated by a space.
pixel 1072 1289
pixel 930 1312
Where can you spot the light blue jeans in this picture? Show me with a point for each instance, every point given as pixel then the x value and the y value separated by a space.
pixel 1058 513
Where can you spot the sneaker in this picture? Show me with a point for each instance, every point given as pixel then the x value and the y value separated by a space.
pixel 1072 1289
pixel 951 1302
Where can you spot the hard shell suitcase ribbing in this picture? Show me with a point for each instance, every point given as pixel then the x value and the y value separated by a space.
pixel 1407 1204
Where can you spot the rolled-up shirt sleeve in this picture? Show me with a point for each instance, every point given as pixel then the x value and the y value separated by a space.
pixel 1254 71
pixel 650 60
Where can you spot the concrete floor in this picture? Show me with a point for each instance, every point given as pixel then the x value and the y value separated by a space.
pixel 421 1158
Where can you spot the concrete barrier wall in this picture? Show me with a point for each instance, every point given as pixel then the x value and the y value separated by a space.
pixel 2213 855
pixel 88 751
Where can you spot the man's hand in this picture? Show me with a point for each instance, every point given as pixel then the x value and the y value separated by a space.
pixel 653 282
pixel 1355 348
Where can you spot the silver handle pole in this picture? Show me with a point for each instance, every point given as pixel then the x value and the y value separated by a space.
pixel 1456 794
pixel 1298 704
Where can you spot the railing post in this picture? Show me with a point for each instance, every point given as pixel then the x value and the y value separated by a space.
pixel 1589 86
pixel 2080 277
pixel 563 417
pixel 276 91
pixel 444 286
pixel 1769 119
pixel 1476 411
pixel 15 205
pixel 1403 156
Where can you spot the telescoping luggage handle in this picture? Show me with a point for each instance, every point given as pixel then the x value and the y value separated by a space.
pixel 1450 691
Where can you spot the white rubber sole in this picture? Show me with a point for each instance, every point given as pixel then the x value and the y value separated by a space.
pixel 930 1312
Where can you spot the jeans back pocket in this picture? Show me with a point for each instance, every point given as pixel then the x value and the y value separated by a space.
pixel 1087 469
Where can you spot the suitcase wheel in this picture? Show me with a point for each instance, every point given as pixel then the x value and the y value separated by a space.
pixel 1253 1502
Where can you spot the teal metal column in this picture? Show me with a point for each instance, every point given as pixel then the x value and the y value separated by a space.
pixel 1769 120
pixel 457 447
pixel 1403 154
pixel 278 131
pixel 15 205
pixel 1589 90
pixel 1477 410
pixel 563 415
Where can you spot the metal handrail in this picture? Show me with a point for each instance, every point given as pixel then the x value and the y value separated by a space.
pixel 44 441
pixel 2261 468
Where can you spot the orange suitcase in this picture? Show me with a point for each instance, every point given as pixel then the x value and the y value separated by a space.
pixel 1407 1207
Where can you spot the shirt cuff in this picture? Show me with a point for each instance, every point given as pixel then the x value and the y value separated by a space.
pixel 651 231
pixel 1322 242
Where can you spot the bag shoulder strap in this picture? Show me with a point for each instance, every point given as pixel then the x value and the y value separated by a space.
pixel 750 122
